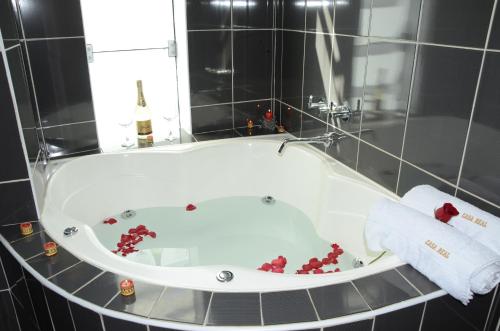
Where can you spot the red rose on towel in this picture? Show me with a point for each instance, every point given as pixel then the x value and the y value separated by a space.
pixel 446 212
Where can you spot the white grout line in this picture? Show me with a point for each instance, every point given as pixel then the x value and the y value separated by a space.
pixel 408 281
pixel 112 298
pixel 12 47
pixel 205 320
pixel 102 322
pixel 66 124
pixel 261 310
pixel 131 50
pixel 491 307
pixel 422 318
pixel 476 93
pixel 63 270
pixel 410 95
pixel 16 313
pixel 71 315
pixel 232 64
pixel 53 38
pixel 228 103
pixel 362 297
pixel 156 301
pixel 303 69
pixel 90 281
pixel 373 323
pixel 48 307
pixel 14 181
pixel 29 296
pixel 312 304
pixel 230 29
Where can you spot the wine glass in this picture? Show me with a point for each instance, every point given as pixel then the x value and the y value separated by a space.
pixel 172 125
pixel 125 120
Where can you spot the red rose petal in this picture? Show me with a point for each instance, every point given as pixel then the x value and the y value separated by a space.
pixel 302 272
pixel 266 266
pixel 110 220
pixel 316 264
pixel 329 272
pixel 332 255
pixel 130 231
pixel 326 261
pixel 318 271
pixel 152 234
pixel 190 207
pixel 313 259
pixel 335 261
pixel 337 270
pixel 335 246
pixel 307 267
pixel 339 251
pixel 278 270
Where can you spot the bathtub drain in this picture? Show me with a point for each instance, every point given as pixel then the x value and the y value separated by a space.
pixel 357 263
pixel 268 200
pixel 128 213
pixel 225 276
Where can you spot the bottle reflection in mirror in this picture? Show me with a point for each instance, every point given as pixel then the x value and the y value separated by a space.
pixel 125 120
pixel 171 116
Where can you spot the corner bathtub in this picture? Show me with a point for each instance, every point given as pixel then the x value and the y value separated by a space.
pixel 84 191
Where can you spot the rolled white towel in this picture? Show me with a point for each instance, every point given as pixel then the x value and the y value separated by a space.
pixel 454 261
pixel 476 223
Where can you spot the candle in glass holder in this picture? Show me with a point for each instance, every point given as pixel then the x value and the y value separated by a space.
pixel 127 287
pixel 50 248
pixel 26 228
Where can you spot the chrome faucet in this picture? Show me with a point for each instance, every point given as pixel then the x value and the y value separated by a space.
pixel 327 140
pixel 321 105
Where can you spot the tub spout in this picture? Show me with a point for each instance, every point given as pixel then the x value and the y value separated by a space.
pixel 327 140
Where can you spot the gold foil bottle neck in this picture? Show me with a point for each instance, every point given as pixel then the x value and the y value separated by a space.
pixel 141 101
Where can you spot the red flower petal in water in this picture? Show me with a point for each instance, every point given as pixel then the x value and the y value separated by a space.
pixel 278 270
pixel 130 231
pixel 114 251
pixel 313 259
pixel 339 251
pixel 190 207
pixel 307 267
pixel 329 272
pixel 335 261
pixel 326 261
pixel 316 264
pixel 279 262
pixel 124 238
pixel 332 255
pixel 302 272
pixel 152 234
pixel 266 267
pixel 335 246
pixel 140 227
pixel 337 270
pixel 110 220
pixel 318 271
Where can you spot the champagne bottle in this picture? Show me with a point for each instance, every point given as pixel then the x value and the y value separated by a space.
pixel 143 118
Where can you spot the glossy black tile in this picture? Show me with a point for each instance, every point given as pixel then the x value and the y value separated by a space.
pixel 378 166
pixel 494 42
pixel 59 311
pixel 139 303
pixel 32 143
pixel 38 298
pixel 211 118
pixel 12 232
pixel 352 17
pixel 312 127
pixel 337 300
pixel 48 266
pixel 8 24
pixel 208 14
pixel 387 88
pixel 155 328
pixel 422 283
pixel 403 17
pixel 12 269
pixel 3 280
pixel 291 119
pixel 278 56
pixel 51 18
pixel 61 79
pixel 252 64
pixel 255 131
pixel 481 169
pixel 10 144
pixel 440 108
pixel 345 150
pixel 407 319
pixel 279 13
pixel 234 309
pixel 455 22
pixel 223 134
pixel 454 315
pixel 348 76
pixel 291 80
pixel 24 307
pixel 210 67
pixel 249 14
pixel 478 203
pixel 72 279
pixel 85 319
pixel 21 90
pixel 101 290
pixel 319 16
pixel 294 14
pixel 8 320
pixel 17 203
pixel 287 307
pixel 317 65
pixel 494 317
pixel 411 176
pixel 71 139
pixel 114 324
pixel 182 305
pixel 364 325
pixel 254 111
pixel 385 288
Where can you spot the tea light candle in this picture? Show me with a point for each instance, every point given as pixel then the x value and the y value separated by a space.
pixel 50 248
pixel 26 228
pixel 127 287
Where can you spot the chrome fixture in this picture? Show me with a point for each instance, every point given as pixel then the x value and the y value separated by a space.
pixel 128 213
pixel 321 105
pixel 225 276
pixel 268 200
pixel 327 140
pixel 68 232
pixel 357 263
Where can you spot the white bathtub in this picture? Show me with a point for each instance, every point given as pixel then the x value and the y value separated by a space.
pixel 84 191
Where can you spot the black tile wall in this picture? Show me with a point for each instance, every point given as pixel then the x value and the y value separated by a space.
pixel 252 64
pixel 320 17
pixel 113 324
pixel 292 63
pixel 39 302
pixel 17 203
pixel 294 14
pixel 378 166
pixel 352 17
pixel 8 319
pixel 72 138
pixel 453 22
pixel 85 319
pixel 253 110
pixel 365 325
pixel 210 118
pixel 51 18
pixel 411 176
pixel 407 319
pixel 8 22
pixel 208 15
pixel 403 15
pixel 250 14
pixel 59 311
